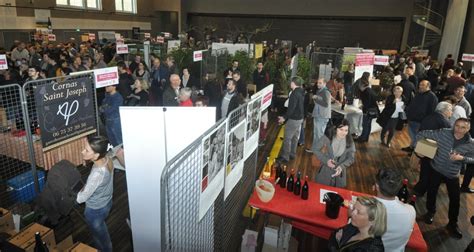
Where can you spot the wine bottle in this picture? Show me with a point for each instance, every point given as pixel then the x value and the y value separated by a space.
pixel 291 181
pixel 283 177
pixel 297 189
pixel 343 105
pixel 305 190
pixel 403 192
pixel 413 201
pixel 40 246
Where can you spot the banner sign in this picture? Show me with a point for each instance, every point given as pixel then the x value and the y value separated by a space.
pixel 91 36
pixel 364 62
pixel 258 51
pixel 468 57
pixel 122 49
pixel 267 96
pixel 381 60
pixel 3 62
pixel 197 56
pixel 106 77
pixel 65 111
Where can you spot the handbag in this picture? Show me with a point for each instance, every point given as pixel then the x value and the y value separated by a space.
pixel 372 112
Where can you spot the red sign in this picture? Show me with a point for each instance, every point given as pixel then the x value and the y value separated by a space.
pixel 91 36
pixel 197 56
pixel 381 60
pixel 106 77
pixel 3 62
pixel 364 59
pixel 468 57
pixel 51 37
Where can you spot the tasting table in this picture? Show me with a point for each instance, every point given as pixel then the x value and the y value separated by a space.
pixel 309 215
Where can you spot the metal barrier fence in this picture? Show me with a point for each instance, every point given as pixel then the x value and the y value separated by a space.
pixel 21 153
pixel 319 59
pixel 221 227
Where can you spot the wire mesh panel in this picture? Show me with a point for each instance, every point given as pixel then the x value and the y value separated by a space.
pixel 324 64
pixel 14 155
pixel 180 184
pixel 229 222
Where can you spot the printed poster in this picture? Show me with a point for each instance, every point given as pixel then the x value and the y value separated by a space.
pixel 212 172
pixel 253 126
pixel 3 62
pixel 235 157
pixel 364 62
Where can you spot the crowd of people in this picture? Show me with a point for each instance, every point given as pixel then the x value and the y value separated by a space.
pixel 434 101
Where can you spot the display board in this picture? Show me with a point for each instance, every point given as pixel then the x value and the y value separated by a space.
pixel 163 133
pixel 235 157
pixel 233 48
pixel 65 111
pixel 267 96
pixel 364 62
pixel 253 126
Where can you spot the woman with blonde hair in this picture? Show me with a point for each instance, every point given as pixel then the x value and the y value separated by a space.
pixel 368 224
pixel 393 112
pixel 139 97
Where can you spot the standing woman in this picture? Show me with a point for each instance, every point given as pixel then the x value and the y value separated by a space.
pixel 393 111
pixel 98 191
pixel 336 151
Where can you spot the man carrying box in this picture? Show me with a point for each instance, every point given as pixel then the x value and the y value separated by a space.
pixel 455 147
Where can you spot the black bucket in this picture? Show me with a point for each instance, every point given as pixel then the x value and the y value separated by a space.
pixel 333 203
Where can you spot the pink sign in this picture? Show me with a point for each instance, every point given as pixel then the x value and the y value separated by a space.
pixel 3 62
pixel 106 77
pixel 364 59
pixel 122 49
pixel 197 56
pixel 381 60
pixel 91 36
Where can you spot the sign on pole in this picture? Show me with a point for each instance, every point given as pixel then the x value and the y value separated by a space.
pixel 106 77
pixel 122 49
pixel 381 60
pixel 51 37
pixel 3 62
pixel 197 56
pixel 91 36
pixel 65 111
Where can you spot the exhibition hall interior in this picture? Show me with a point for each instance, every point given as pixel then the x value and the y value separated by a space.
pixel 173 125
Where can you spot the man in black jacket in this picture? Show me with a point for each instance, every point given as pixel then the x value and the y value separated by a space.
pixel 170 95
pixel 438 120
pixel 408 88
pixel 294 118
pixel 231 99
pixel 421 106
pixel 125 80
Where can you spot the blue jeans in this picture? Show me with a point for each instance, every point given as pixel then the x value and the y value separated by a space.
pixel 319 126
pixel 366 127
pixel 95 219
pixel 114 131
pixel 413 128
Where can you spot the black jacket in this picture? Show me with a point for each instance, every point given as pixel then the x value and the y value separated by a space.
pixel 260 79
pixel 125 84
pixel 408 90
pixel 295 109
pixel 170 99
pixel 370 244
pixel 434 121
pixel 388 110
pixel 421 106
pixel 369 100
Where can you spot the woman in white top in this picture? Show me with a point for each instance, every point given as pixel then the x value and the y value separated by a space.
pixel 388 119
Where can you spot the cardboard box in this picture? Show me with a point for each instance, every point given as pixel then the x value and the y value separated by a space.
pixel 26 238
pixel 426 148
pixel 293 247
pixel 6 221
pixel 81 247
pixel 64 245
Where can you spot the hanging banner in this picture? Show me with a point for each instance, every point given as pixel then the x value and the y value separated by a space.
pixel 381 60
pixel 253 126
pixel 91 36
pixel 267 96
pixel 173 45
pixel 106 77
pixel 258 51
pixel 213 164
pixel 65 111
pixel 3 62
pixel 235 157
pixel 84 38
pixel 51 37
pixel 468 57
pixel 197 56
pixel 122 49
pixel 364 62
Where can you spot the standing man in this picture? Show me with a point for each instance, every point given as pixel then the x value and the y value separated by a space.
pixel 455 147
pixel 400 216
pixel 159 78
pixel 171 93
pixel 321 112
pixel 293 118
pixel 422 105
pixel 231 100
pixel 241 87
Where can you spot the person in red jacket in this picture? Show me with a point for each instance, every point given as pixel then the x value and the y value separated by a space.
pixel 185 97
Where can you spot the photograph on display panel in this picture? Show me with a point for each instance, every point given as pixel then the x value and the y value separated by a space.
pixel 235 157
pixel 213 163
pixel 253 126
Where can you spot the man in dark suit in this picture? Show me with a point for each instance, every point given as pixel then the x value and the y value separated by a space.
pixel 170 95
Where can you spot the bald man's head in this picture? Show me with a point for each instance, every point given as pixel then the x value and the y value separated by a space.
pixel 175 81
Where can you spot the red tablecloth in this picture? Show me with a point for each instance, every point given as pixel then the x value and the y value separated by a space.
pixel 309 216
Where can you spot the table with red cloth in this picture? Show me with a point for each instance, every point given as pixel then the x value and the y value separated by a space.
pixel 309 215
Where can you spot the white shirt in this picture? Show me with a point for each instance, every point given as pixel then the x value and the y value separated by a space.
pixel 400 222
pixel 458 112
pixel 398 108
